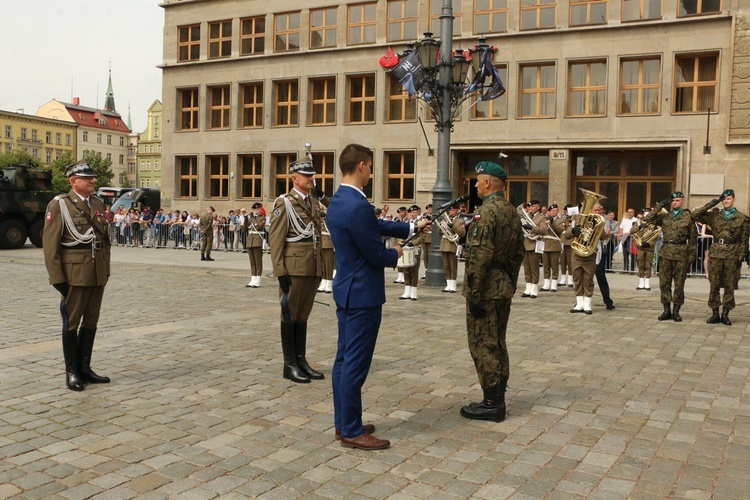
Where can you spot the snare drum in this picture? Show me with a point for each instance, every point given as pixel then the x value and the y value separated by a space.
pixel 409 258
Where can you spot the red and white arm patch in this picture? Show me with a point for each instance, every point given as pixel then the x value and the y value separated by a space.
pixel 49 216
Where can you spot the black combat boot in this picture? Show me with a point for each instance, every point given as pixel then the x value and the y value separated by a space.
pixel 208 256
pixel 300 347
pixel 291 370
pixel 676 313
pixel 492 406
pixel 667 314
pixel 203 256
pixel 85 347
pixel 714 317
pixel 70 353
pixel 725 317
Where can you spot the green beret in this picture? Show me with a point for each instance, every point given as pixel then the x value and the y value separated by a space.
pixel 678 194
pixel 489 168
pixel 727 192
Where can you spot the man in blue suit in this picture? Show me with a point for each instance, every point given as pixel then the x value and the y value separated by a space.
pixel 359 291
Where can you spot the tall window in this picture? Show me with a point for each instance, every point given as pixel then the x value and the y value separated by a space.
pixel 361 23
pixel 122 141
pixel 327 167
pixel 587 12
pixel 400 107
pixel 640 86
pixel 121 159
pixel 189 43
pixel 639 10
pixel 218 176
pixel 490 16
pixel 286 32
pixel 436 8
pixel 696 82
pixel 402 20
pixel 47 136
pixel 399 175
pixel 323 28
pixel 218 106
pixel 322 101
pixel 537 14
pixel 219 39
pixel 35 136
pixel 98 138
pixel 9 133
pixel 537 85
pixel 188 99
pixel 282 181
pixel 252 35
pixel 496 109
pixel 109 139
pixel 693 7
pixel 24 131
pixel 85 136
pixel 187 167
pixel 286 107
pixel 251 175
pixel 587 88
pixel 251 95
pixel 361 99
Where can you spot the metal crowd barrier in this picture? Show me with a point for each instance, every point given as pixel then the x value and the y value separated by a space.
pixel 176 236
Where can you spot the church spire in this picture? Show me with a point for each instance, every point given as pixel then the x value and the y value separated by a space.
pixel 109 100
pixel 130 126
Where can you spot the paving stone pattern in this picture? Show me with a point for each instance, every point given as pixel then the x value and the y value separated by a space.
pixel 613 405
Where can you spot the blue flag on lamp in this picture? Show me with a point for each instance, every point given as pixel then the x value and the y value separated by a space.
pixel 408 72
pixel 487 70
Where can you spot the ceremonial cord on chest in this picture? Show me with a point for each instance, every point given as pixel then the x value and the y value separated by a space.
pixel 296 224
pixel 88 237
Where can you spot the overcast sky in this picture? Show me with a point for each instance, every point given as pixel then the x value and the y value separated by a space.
pixel 49 46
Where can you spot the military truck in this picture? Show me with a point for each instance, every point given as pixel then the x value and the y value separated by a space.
pixel 24 195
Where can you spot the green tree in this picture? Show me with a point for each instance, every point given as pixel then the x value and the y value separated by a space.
pixel 60 183
pixel 126 183
pixel 19 157
pixel 102 167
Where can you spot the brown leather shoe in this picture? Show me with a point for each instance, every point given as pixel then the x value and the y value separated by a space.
pixel 365 442
pixel 369 429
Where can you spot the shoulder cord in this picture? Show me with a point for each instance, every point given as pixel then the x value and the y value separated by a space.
pixel 295 222
pixel 88 237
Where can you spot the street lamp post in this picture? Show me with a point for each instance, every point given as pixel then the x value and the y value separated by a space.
pixel 432 71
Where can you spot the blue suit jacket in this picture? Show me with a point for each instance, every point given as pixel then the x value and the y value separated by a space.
pixel 361 255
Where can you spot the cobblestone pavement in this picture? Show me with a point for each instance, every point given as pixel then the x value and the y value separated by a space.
pixel 612 405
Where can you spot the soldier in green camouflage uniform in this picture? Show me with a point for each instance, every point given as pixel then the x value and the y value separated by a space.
pixel 206 224
pixel 729 228
pixel 676 254
pixel 494 253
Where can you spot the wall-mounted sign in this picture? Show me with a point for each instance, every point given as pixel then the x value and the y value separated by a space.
pixel 558 154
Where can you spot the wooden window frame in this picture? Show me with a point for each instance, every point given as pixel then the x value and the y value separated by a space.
pixel 191 112
pixel 288 33
pixel 362 26
pixel 397 96
pixel 366 101
pixel 491 12
pixel 640 87
pixel 641 9
pixel 221 44
pixel 326 162
pixel 327 103
pixel 250 168
pixel 189 179
pixel 325 28
pixel 191 45
pixel 254 37
pixel 500 102
pixel 403 23
pixel 586 89
pixel 539 8
pixel 698 9
pixel 289 90
pixel 538 91
pixel 255 108
pixel 280 165
pixel 588 4
pixel 696 84
pixel 217 173
pixel 401 177
pixel 219 114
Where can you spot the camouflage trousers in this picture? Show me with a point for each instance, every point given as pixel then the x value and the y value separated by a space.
pixel 487 342
pixel 722 273
pixel 207 242
pixel 672 271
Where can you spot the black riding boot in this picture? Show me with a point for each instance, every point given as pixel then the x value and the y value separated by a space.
pixel 203 256
pixel 714 317
pixel 85 347
pixel 70 353
pixel 725 317
pixel 300 348
pixel 676 313
pixel 667 314
pixel 291 370
pixel 492 406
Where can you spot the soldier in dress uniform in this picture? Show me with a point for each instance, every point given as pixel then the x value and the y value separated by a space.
pixel 532 259
pixel 584 268
pixel 77 255
pixel 729 228
pixel 566 258
pixel 552 247
pixel 329 257
pixel 645 251
pixel 427 244
pixel 255 228
pixel 411 274
pixel 206 225
pixel 448 249
pixel 494 252
pixel 401 216
pixel 676 254
pixel 296 254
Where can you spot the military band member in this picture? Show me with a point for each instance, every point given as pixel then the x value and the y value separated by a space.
pixel 645 251
pixel 255 228
pixel 532 258
pixel 494 252
pixel 401 216
pixel 448 251
pixel 584 268
pixel 296 254
pixel 329 257
pixel 427 244
pixel 411 274
pixel 677 252
pixel 566 264
pixel 552 247
pixel 206 225
pixel 729 248
pixel 77 256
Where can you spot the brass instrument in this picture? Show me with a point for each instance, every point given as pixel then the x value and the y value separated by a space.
pixel 444 223
pixel 592 225
pixel 647 233
pixel 526 220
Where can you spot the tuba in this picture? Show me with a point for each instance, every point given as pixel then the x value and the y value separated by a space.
pixel 526 220
pixel 647 233
pixel 592 225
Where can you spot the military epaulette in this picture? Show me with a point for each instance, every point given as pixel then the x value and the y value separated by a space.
pixel 61 196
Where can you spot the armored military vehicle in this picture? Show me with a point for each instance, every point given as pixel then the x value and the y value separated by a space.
pixel 24 195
